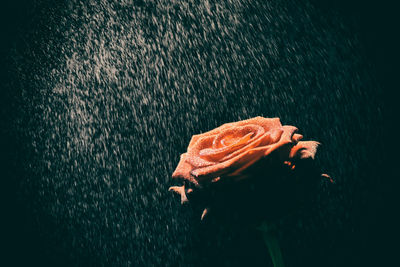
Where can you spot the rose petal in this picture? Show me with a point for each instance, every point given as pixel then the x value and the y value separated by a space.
pixel 289 133
pixel 266 123
pixel 183 169
pixel 269 137
pixel 231 165
pixel 285 138
pixel 304 149
pixel 194 157
pixel 216 179
pixel 328 177
pixel 249 134
pixel 181 191
pixel 247 164
pixel 297 137
pixel 217 154
pixel 236 133
pixel 205 212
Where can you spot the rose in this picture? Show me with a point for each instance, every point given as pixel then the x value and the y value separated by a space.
pixel 227 151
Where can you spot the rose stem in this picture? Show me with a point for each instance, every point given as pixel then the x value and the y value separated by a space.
pixel 273 247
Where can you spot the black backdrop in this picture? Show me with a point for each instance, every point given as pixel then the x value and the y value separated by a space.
pixel 99 99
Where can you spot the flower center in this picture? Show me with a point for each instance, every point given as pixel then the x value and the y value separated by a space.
pixel 236 136
pixel 231 139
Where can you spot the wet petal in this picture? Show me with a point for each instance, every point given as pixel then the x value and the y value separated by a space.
pixel 304 149
pixel 266 123
pixel 183 169
pixel 285 138
pixel 181 191
pixel 234 135
pixel 269 137
pixel 217 154
pixel 297 137
pixel 228 166
pixel 193 153
pixel 328 177
pixel 205 212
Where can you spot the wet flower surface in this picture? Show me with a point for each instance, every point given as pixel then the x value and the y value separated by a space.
pixel 260 150
pixel 230 149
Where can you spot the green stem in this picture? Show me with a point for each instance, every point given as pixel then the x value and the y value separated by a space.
pixel 272 243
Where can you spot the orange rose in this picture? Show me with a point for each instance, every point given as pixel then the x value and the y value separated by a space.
pixel 227 151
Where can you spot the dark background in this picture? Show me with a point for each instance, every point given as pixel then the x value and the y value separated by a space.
pixel 102 199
